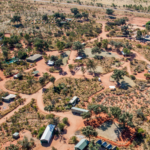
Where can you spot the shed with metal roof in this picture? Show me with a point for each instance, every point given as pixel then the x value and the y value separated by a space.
pixel 48 133
pixel 82 144
pixel 34 58
pixel 78 111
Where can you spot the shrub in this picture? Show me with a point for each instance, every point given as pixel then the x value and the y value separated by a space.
pixel 61 126
pixel 65 120
pixel 132 77
pixel 50 116
pixel 41 130
pixel 51 69
pixel 139 46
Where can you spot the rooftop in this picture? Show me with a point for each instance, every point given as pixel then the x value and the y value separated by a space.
pixel 82 144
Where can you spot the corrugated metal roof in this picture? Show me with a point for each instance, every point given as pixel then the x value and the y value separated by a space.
pixel 82 144
pixel 73 99
pixel 34 57
pixel 35 72
pixel 79 109
pixel 48 132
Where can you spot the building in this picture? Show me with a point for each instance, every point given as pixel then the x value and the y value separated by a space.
pixel 68 19
pixel 9 97
pixel 34 58
pixel 109 146
pixel 50 63
pixel 99 142
pixel 48 133
pixel 16 135
pixel 35 73
pixel 104 144
pixel 112 87
pixel 74 101
pixel 82 144
pixel 78 111
pixel 78 58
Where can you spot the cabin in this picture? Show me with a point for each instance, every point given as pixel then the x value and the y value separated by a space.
pixel 34 58
pixel 112 88
pixel 48 133
pixel 16 135
pixel 9 98
pixel 50 63
pixel 78 111
pixel 81 145
pixel 74 101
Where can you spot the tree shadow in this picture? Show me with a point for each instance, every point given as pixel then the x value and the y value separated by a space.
pixel 124 85
pixel 105 125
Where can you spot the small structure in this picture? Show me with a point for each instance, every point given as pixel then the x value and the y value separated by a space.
pixel 35 73
pixel 78 58
pixel 34 58
pixel 83 44
pixel 99 79
pixel 104 144
pixel 114 148
pixel 82 144
pixel 109 146
pixel 99 142
pixel 112 87
pixel 68 19
pixel 9 97
pixel 18 75
pixel 50 63
pixel 78 111
pixel 74 101
pixel 48 133
pixel 16 135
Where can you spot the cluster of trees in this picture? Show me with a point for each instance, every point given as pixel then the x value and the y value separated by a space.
pixel 109 11
pixel 16 19
pixel 125 118
pixel 76 13
pixel 137 7
pixel 43 79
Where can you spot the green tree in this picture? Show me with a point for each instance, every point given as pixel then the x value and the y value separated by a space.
pixel 93 146
pixel 44 17
pixel 89 131
pixel 70 67
pixel 91 65
pixel 139 35
pixel 96 50
pixel 74 10
pixel 56 15
pixel 109 11
pixel 58 63
pixel 16 19
pixel 115 111
pixel 117 75
pixel 42 80
pixel 12 147
pixel 22 54
pixel 60 45
pixel 25 143
pixel 83 69
pixel 40 132
pixel 53 148
pixel 126 51
pixel 5 54
pixel 105 43
pixel 85 15
pixel 65 120
pixel 124 30
pixel 61 126
pixel 77 46
pixel 52 79
pixel 148 26
pixel 86 115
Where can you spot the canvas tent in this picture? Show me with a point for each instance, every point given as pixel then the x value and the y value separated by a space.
pixel 74 101
pixel 9 97
pixel 78 58
pixel 112 87
pixel 50 63
pixel 78 111
pixel 16 135
pixel 82 144
pixel 35 73
pixel 48 133
pixel 34 58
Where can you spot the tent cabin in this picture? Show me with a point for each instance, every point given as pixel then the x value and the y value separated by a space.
pixel 112 88
pixel 68 19
pixel 104 144
pixel 48 133
pixel 34 58
pixel 99 142
pixel 81 145
pixel 74 101
pixel 16 135
pixel 50 63
pixel 114 148
pixel 109 146
pixel 9 97
pixel 99 79
pixel 18 75
pixel 35 73
pixel 78 58
pixel 78 111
